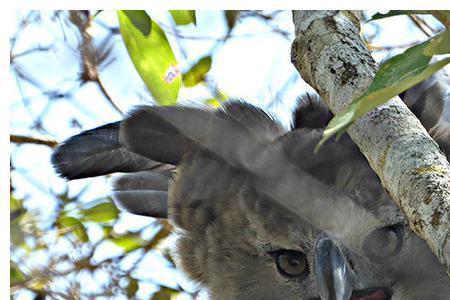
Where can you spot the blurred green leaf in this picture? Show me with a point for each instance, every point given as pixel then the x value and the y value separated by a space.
pixel 140 20
pixel 231 18
pixel 128 242
pixel 213 102
pixel 16 233
pixel 107 230
pixel 198 72
pixel 132 288
pixel 17 211
pixel 395 76
pixel 14 203
pixel 74 226
pixel 165 293
pixel 102 212
pixel 153 58
pixel 15 274
pixel 183 17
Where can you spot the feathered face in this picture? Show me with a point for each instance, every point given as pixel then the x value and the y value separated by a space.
pixel 259 216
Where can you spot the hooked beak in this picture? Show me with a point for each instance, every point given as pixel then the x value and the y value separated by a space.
pixel 333 273
pixel 336 279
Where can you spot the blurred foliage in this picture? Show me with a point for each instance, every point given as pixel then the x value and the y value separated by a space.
pixel 58 250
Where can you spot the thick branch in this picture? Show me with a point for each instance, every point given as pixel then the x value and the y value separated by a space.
pixel 331 57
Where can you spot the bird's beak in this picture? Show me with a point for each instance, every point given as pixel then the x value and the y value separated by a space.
pixel 333 273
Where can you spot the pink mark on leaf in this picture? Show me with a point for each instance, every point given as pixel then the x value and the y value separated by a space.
pixel 172 73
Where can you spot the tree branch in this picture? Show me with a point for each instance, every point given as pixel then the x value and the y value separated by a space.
pixel 331 57
pixel 21 139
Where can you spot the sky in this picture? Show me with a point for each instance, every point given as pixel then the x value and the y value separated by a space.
pixel 255 66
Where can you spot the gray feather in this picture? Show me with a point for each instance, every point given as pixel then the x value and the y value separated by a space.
pixel 97 152
pixel 142 193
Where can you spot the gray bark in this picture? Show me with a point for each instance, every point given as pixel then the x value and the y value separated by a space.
pixel 331 57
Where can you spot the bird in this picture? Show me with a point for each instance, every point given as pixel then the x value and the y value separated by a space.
pixel 256 212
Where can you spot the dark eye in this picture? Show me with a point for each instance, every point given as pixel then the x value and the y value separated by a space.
pixel 291 263
pixel 384 243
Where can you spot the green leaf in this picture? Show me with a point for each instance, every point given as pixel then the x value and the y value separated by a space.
pixel 15 274
pixel 198 72
pixel 153 58
pixel 231 18
pixel 132 288
pixel 16 214
pixel 129 242
pixel 107 230
pixel 140 20
pixel 74 226
pixel 16 232
pixel 395 76
pixel 213 102
pixel 183 17
pixel 440 44
pixel 102 212
pixel 165 293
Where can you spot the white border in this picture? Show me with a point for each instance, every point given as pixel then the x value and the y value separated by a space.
pixel 232 4
pixel 5 87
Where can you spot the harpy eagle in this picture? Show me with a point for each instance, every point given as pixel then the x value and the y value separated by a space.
pixel 260 216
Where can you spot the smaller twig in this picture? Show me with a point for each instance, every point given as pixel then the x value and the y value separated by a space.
pixel 107 96
pixel 21 139
pixel 29 51
pixel 419 25
pixel 425 23
pixel 374 47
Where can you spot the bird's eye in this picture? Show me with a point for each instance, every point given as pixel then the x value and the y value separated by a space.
pixel 384 243
pixel 291 263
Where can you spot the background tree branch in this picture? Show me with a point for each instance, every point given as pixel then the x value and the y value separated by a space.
pixel 331 57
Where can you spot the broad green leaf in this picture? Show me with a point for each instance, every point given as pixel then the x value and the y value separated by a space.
pixel 102 212
pixel 439 44
pixel 140 20
pixel 15 274
pixel 183 17
pixel 74 226
pixel 165 293
pixel 395 76
pixel 128 242
pixel 198 72
pixel 153 58
pixel 132 288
